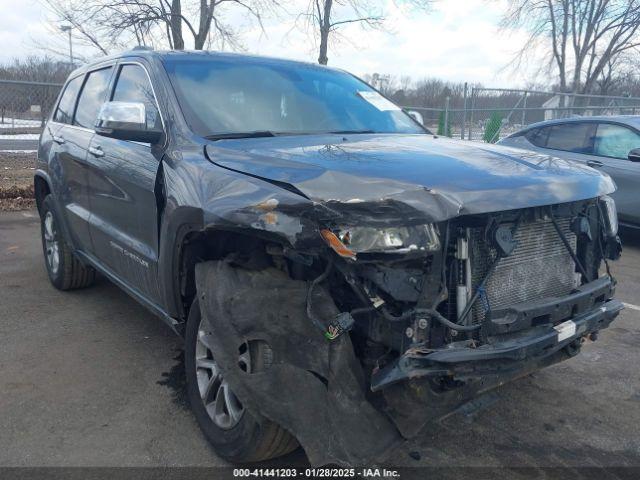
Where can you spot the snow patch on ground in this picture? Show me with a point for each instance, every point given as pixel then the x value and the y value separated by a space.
pixel 20 136
pixel 20 122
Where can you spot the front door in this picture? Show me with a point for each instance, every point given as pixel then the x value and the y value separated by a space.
pixel 122 181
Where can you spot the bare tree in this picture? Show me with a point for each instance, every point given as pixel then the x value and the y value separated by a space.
pixel 584 38
pixel 85 28
pixel 108 25
pixel 326 17
pixel 326 20
pixel 35 69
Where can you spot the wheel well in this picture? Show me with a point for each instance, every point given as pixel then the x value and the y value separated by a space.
pixel 40 190
pixel 244 249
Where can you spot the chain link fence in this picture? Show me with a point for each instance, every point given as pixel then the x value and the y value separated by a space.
pixel 489 114
pixel 24 107
pixel 486 114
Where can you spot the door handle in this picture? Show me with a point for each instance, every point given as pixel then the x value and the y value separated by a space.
pixel 58 140
pixel 595 163
pixel 96 151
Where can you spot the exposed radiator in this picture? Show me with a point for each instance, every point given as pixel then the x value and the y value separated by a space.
pixel 540 266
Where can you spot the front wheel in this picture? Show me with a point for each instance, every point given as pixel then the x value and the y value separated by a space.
pixel 237 434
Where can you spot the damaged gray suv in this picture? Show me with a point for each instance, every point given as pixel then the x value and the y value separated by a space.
pixel 340 276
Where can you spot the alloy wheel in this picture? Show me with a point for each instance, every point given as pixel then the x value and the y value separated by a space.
pixel 221 404
pixel 51 243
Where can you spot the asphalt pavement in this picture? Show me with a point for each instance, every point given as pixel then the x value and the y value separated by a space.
pixel 90 378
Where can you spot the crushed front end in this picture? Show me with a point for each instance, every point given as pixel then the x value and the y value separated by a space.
pixel 444 312
pixel 385 321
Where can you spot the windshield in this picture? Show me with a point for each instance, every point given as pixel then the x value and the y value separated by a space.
pixel 222 96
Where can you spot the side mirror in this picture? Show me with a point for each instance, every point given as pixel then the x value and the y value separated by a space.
pixel 127 121
pixel 634 155
pixel 417 116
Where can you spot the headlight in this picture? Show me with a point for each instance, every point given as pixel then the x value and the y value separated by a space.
pixel 389 240
pixel 610 215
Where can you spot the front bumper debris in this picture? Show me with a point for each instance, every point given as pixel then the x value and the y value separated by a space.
pixel 506 353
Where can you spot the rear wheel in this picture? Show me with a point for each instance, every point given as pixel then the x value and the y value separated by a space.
pixel 236 433
pixel 65 271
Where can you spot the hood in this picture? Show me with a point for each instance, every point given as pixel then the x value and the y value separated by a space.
pixel 439 177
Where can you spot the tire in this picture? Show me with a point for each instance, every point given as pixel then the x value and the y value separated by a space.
pixel 65 271
pixel 248 438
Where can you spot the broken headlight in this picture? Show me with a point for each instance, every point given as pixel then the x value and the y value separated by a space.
pixel 394 239
pixel 610 214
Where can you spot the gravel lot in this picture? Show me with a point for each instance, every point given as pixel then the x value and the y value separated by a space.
pixel 89 378
pixel 16 180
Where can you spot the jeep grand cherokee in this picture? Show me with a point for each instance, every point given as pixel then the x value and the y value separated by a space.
pixel 340 276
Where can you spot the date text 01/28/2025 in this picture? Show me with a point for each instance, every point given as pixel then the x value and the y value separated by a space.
pixel 316 472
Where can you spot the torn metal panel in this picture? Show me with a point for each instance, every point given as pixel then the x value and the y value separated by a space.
pixel 314 388
pixel 237 202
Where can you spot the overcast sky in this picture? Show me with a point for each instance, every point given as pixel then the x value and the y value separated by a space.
pixel 457 40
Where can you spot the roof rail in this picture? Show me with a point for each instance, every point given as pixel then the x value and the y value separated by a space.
pixel 142 47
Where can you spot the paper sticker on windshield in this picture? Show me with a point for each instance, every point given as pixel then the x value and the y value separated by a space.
pixel 378 101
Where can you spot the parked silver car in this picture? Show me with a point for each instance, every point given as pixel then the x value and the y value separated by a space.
pixel 610 144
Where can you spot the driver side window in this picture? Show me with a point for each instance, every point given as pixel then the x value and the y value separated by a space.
pixel 133 85
pixel 615 141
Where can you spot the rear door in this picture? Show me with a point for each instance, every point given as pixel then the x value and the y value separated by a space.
pixel 71 132
pixel 572 140
pixel 77 137
pixel 122 178
pixel 71 193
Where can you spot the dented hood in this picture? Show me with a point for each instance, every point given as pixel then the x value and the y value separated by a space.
pixel 436 176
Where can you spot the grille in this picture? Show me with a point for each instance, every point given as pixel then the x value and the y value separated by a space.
pixel 540 266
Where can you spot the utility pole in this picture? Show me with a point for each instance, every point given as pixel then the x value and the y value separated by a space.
pixel 464 112
pixel 446 116
pixel 67 28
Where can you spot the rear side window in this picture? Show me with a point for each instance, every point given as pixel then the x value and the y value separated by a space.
pixel 571 137
pixel 538 136
pixel 92 97
pixel 64 112
pixel 615 141
pixel 133 86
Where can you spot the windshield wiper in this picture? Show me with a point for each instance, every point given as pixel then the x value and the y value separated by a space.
pixel 269 133
pixel 255 134
pixel 345 132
